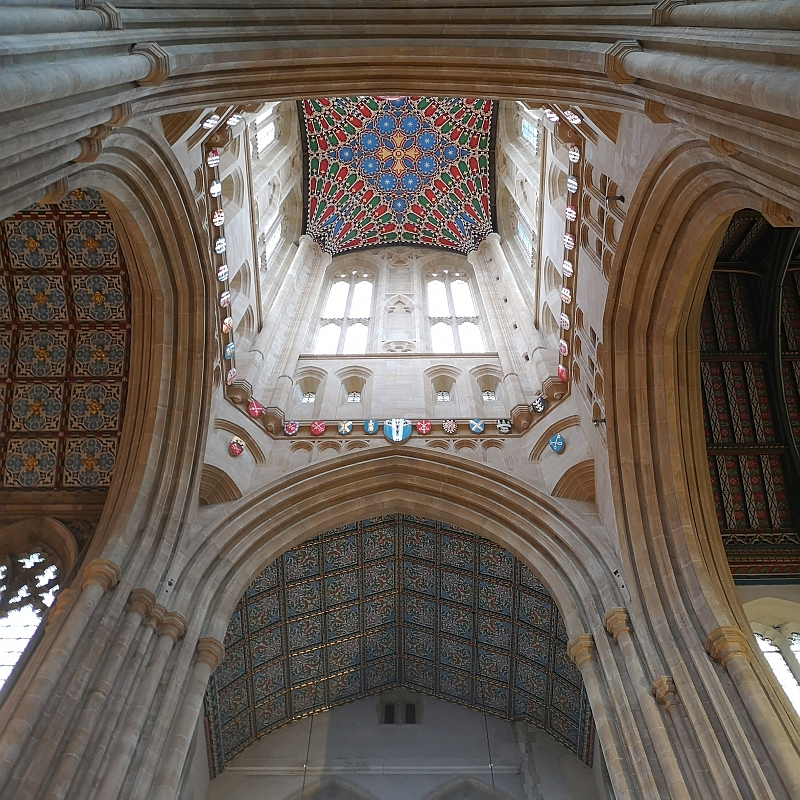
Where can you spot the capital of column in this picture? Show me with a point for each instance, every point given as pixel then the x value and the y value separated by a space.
pixel 617 621
pixel 662 11
pixel 581 649
pixel 155 617
pixel 726 643
pixel 210 651
pixel 63 601
pixel 160 67
pixel 614 62
pixel 173 625
pixel 102 572
pixel 665 692
pixel 141 602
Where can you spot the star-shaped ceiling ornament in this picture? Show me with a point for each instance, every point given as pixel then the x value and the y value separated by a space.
pixel 398 170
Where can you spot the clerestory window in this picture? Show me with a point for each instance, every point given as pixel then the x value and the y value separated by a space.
pixel 345 323
pixel 266 130
pixel 454 321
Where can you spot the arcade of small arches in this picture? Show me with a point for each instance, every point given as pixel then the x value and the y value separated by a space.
pixel 205 592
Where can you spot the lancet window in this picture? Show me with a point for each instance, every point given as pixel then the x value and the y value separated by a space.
pixel 345 323
pixel 266 128
pixel 454 320
pixel 780 667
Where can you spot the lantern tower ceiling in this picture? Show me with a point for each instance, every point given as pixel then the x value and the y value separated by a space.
pixel 398 170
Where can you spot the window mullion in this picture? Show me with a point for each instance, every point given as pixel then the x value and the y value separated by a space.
pixel 452 309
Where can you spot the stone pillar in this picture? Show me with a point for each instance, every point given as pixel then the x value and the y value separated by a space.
pixel 491 251
pixel 666 693
pixel 581 649
pixel 99 576
pixel 765 87
pixel 729 647
pixel 171 628
pixel 618 624
pixel 37 20
pixel 779 15
pixel 209 655
pixel 140 607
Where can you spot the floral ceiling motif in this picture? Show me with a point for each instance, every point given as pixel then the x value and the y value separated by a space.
pixel 64 331
pixel 402 170
pixel 394 600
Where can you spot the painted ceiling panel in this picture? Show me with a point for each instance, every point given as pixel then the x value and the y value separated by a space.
pixel 395 600
pixel 402 170
pixel 64 334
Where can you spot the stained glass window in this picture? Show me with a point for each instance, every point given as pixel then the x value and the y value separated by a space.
pixel 442 397
pixel 489 396
pixel 403 170
pixel 308 397
pixel 354 397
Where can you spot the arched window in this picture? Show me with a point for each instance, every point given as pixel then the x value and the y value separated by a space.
pixel 455 325
pixel 28 586
pixel 345 323
pixel 266 127
pixel 780 667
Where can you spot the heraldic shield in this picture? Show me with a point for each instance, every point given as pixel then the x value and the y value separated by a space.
pixel 397 430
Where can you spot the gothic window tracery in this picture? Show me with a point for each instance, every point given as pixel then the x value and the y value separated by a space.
pixel 454 320
pixel 780 667
pixel 345 324
pixel 28 585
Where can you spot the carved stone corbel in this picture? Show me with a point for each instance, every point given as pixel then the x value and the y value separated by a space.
pixel 662 11
pixel 210 651
pixel 159 63
pixel 665 692
pixel 581 648
pixel 727 642
pixel 613 64
pixel 656 112
pixel 617 622
pixel 55 192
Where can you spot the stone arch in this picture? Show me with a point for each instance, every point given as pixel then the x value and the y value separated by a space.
pixel 668 243
pixel 21 536
pixel 334 789
pixel 465 789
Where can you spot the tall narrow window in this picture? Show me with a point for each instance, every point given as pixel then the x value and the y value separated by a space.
pixel 344 327
pixel 265 128
pixel 28 586
pixel 455 326
pixel 530 131
pixel 781 669
pixel 272 240
pixel 411 714
pixel 388 714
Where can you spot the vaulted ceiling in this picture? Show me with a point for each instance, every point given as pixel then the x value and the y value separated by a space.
pixel 391 601
pixel 398 170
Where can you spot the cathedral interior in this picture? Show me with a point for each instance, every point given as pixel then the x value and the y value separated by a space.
pixel 399 400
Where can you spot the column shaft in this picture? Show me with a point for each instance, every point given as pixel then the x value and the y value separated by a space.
pixel 780 15
pixel 20 88
pixel 47 20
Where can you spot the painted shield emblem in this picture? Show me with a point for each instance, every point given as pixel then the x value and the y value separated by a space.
pixel 563 375
pixel 371 426
pixel 557 443
pixel 227 325
pixel 254 408
pixel 563 347
pixel 344 428
pixel 222 273
pixel 424 427
pixel 230 377
pixel 539 405
pixel 318 427
pixel 504 426
pixel 290 428
pixel 397 429
pixel 236 447
pixel 476 425
pixel 450 426
pixel 230 351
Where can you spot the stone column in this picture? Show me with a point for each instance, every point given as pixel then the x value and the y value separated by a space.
pixel 729 647
pixel 170 629
pixel 666 693
pixel 618 624
pixel 37 20
pixel 295 317
pixel 779 15
pixel 581 649
pixel 99 576
pixel 491 251
pixel 140 607
pixel 765 87
pixel 209 655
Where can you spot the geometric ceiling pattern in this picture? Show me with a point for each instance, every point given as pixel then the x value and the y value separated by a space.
pixel 398 170
pixel 394 601
pixel 64 332
pixel 750 415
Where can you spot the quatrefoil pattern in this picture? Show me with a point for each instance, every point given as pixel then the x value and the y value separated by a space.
pixel 64 338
